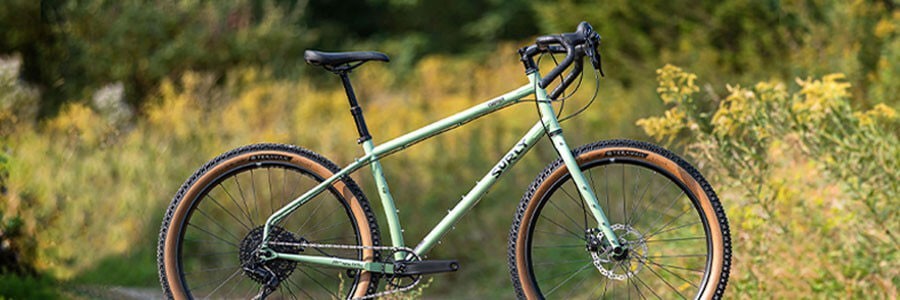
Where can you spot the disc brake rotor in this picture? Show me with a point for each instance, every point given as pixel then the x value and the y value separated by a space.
pixel 621 269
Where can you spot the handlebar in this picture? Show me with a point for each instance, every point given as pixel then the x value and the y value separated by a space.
pixel 576 45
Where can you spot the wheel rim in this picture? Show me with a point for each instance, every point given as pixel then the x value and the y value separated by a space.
pixel 239 200
pixel 673 256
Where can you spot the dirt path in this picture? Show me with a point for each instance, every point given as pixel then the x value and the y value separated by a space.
pixel 116 292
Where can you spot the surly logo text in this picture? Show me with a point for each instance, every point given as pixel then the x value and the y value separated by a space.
pixel 509 159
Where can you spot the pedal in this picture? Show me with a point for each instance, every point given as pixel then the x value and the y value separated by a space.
pixel 429 267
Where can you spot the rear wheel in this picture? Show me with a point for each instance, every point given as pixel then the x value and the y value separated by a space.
pixel 214 225
pixel 660 208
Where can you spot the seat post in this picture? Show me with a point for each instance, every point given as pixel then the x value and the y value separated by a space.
pixel 355 110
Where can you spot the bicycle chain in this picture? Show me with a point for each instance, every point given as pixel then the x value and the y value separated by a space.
pixel 356 247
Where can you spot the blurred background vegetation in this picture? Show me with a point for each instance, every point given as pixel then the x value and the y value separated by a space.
pixel 789 107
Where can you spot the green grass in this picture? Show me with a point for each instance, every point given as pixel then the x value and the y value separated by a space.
pixel 136 268
pixel 27 287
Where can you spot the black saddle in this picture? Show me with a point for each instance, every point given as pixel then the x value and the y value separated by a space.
pixel 334 60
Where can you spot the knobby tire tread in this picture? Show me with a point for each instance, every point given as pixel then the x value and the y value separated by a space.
pixel 321 160
pixel 539 180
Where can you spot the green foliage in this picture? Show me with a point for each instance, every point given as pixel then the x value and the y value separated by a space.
pixel 742 40
pixel 27 287
pixel 804 175
pixel 71 48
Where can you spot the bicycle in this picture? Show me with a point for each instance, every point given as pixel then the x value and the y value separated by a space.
pixel 279 220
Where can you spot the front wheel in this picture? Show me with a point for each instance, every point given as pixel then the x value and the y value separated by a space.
pixel 662 210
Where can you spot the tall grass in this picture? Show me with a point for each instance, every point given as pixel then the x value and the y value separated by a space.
pixel 810 183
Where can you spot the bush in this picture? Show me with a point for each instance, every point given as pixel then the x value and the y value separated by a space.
pixel 810 183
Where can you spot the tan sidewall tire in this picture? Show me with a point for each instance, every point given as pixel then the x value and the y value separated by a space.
pixel 301 158
pixel 613 149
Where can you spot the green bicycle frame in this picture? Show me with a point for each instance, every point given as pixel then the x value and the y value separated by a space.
pixel 548 123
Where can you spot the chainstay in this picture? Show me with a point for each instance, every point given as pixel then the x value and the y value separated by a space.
pixel 358 247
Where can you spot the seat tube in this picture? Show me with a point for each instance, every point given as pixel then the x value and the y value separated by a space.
pixel 387 201
pixel 554 131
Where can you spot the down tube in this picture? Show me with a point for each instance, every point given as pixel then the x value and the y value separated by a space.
pixel 471 199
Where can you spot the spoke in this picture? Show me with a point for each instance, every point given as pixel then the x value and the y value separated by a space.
pixel 670 222
pixel 583 208
pixel 234 286
pixel 624 195
pixel 606 177
pixel 215 253
pixel 628 280
pixel 557 246
pixel 664 280
pixel 325 274
pixel 605 282
pixel 244 200
pixel 213 235
pixel 316 209
pixel 227 211
pixel 244 212
pixel 568 235
pixel 326 228
pixel 250 292
pixel 271 195
pixel 284 194
pixel 564 213
pixel 302 290
pixel 634 208
pixel 648 287
pixel 213 269
pixel 652 200
pixel 605 286
pixel 667 210
pixel 558 262
pixel 238 271
pixel 569 278
pixel 676 239
pixel 646 237
pixel 253 186
pixel 208 241
pixel 577 202
pixel 635 186
pixel 563 228
pixel 319 283
pixel 674 267
pixel 680 255
pixel 218 224
pixel 325 217
pixel 670 272
pixel 577 285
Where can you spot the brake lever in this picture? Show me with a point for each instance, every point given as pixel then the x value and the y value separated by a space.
pixel 591 51
pixel 597 62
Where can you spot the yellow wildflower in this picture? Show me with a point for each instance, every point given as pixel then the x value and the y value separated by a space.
pixel 735 110
pixel 818 98
pixel 675 84
pixel 665 127
pixel 879 112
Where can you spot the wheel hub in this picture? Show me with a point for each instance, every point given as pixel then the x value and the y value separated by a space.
pixel 620 263
pixel 260 270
